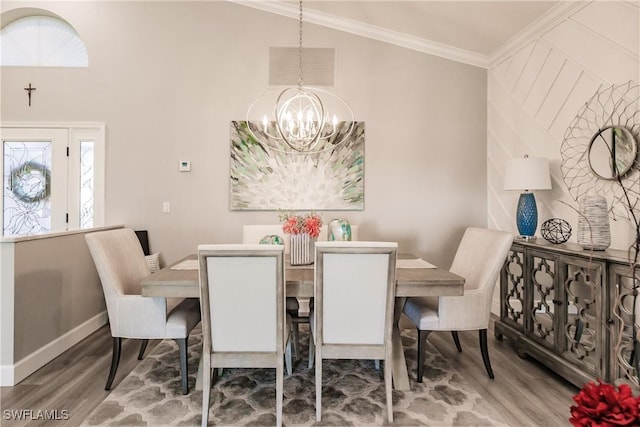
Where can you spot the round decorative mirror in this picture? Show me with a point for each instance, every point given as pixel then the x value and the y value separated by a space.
pixel 612 152
pixel 600 153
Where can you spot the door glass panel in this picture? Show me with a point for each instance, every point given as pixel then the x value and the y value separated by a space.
pixel 26 187
pixel 580 335
pixel 87 183
pixel 542 313
pixel 514 300
pixel 624 344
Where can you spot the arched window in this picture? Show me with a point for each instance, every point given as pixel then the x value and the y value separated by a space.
pixel 41 41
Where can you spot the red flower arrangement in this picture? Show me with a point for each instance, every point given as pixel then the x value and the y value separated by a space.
pixel 604 405
pixel 297 224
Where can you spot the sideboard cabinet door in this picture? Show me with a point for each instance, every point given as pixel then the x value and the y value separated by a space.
pixel 542 275
pixel 512 291
pixel 623 360
pixel 583 336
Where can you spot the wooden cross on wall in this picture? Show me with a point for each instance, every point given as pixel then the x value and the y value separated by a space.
pixel 29 90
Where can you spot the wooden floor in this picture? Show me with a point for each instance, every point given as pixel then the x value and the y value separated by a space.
pixel 525 392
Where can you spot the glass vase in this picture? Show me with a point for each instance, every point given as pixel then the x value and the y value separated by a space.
pixel 340 230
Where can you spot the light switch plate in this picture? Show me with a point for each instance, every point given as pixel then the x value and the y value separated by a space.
pixel 184 166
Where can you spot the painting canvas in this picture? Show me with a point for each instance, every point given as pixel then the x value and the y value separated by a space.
pixel 266 179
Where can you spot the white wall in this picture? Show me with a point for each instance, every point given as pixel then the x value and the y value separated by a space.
pixel 168 77
pixel 536 91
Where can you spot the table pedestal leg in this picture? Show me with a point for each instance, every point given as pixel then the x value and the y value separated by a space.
pixel 400 374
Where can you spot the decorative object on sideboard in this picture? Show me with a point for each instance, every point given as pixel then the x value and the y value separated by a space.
pixel 298 119
pixel 556 230
pixel 527 173
pixel 339 229
pixel 593 223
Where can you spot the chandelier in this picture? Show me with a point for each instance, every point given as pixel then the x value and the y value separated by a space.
pixel 300 119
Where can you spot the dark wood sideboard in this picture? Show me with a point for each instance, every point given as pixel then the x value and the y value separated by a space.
pixel 571 309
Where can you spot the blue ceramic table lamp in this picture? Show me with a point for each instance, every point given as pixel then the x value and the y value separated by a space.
pixel 526 174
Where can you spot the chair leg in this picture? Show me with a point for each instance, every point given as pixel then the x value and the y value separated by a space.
pixel 184 369
pixel 318 384
pixel 143 347
pixel 279 389
pixel 456 339
pixel 294 337
pixel 206 388
pixel 376 363
pixel 482 334
pixel 422 348
pixel 115 359
pixel 388 380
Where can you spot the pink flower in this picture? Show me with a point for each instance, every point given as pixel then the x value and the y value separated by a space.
pixel 297 224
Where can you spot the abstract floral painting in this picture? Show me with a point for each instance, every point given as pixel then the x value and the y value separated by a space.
pixel 266 179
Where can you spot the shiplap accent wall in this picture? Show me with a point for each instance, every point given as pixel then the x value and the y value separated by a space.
pixel 534 93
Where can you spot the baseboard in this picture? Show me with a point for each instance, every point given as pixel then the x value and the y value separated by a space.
pixel 11 375
pixel 6 375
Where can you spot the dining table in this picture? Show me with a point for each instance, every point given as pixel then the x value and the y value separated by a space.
pixel 415 277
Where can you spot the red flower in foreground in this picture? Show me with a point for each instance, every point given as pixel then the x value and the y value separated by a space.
pixel 604 405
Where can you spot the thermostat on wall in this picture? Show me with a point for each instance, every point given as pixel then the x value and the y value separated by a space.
pixel 184 166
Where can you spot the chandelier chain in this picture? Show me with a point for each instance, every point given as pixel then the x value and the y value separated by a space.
pixel 300 79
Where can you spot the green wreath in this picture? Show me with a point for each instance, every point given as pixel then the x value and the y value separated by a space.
pixel 31 182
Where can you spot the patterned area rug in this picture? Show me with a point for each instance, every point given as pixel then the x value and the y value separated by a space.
pixel 353 394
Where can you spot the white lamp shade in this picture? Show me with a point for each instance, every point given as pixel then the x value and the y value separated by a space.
pixel 527 173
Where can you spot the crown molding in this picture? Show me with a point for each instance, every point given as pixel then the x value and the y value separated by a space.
pixel 536 29
pixel 371 31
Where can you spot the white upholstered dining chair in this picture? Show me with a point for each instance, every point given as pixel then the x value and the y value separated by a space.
pixel 244 324
pixel 252 234
pixel 121 266
pixel 479 258
pixel 354 302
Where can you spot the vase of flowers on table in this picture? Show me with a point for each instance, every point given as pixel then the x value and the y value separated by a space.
pixel 303 230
